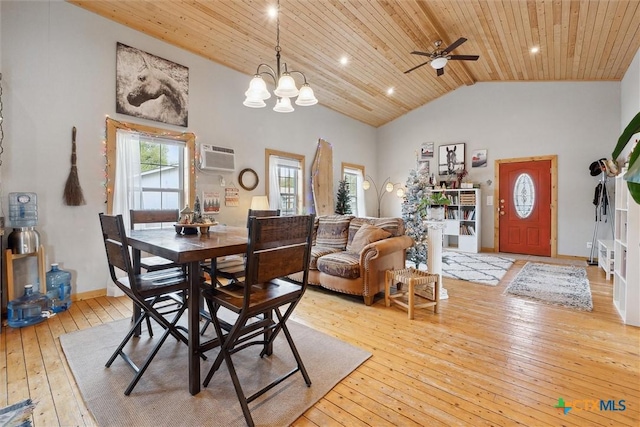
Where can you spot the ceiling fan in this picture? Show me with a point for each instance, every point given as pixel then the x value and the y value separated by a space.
pixel 439 57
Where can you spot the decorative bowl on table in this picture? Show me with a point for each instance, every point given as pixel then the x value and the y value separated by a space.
pixel 187 229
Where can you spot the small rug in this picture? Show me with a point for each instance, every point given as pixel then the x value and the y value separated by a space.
pixel 483 269
pixel 564 285
pixel 18 414
pixel 162 397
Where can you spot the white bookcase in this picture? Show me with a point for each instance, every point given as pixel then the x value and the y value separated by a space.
pixel 462 220
pixel 626 264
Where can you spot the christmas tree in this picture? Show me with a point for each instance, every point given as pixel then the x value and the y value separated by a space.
pixel 417 188
pixel 197 212
pixel 342 198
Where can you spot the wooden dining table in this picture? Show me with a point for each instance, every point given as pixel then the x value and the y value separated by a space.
pixel 191 250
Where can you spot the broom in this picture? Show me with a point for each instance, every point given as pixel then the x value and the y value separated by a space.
pixel 72 190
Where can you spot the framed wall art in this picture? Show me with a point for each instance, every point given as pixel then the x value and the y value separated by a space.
pixel 151 87
pixel 426 151
pixel 479 159
pixel 423 167
pixel 450 159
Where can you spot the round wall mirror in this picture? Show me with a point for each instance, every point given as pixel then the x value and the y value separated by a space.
pixel 248 179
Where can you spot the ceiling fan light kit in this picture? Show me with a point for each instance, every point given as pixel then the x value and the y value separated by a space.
pixel 440 57
pixel 439 63
pixel 285 84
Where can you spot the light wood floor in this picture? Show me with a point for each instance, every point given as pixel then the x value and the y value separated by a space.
pixel 485 359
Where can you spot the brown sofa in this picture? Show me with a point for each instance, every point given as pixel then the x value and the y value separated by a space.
pixel 350 255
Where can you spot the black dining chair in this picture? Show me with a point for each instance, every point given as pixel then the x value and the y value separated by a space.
pixel 160 295
pixel 231 268
pixel 154 216
pixel 278 247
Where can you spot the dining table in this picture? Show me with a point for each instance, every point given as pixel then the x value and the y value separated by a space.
pixel 190 250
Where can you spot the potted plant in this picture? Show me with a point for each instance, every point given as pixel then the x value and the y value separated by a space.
pixel 433 205
pixel 633 172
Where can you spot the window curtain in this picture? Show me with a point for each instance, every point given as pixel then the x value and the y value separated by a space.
pixel 361 205
pixel 274 183
pixel 361 208
pixel 127 189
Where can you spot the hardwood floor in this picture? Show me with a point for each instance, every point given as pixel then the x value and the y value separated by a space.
pixel 485 359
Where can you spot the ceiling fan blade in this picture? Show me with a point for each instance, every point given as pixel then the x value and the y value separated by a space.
pixel 464 57
pixel 455 44
pixel 440 71
pixel 417 66
pixel 415 52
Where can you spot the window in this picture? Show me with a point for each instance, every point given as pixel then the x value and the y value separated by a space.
pixel 524 195
pixel 285 181
pixel 162 181
pixel 354 175
pixel 148 168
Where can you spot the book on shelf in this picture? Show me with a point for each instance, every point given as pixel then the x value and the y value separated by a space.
pixel 469 215
pixel 467 230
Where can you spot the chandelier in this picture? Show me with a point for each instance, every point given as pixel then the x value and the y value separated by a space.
pixel 285 84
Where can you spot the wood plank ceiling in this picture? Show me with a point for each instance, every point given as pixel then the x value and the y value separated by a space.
pixel 578 40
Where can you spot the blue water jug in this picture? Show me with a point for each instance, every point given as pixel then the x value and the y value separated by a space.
pixel 58 289
pixel 28 309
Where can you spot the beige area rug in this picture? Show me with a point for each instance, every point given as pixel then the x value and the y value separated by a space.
pixel 162 398
pixel 564 285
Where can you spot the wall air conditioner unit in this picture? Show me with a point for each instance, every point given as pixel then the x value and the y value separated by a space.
pixel 217 158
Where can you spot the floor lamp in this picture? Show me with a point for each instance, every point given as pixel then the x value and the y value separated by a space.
pixel 387 187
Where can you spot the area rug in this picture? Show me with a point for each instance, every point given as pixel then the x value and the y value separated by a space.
pixel 162 397
pixel 483 269
pixel 564 285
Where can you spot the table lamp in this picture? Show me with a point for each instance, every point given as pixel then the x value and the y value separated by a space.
pixel 259 203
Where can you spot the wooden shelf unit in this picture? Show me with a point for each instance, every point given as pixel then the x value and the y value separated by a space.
pixel 626 261
pixel 462 220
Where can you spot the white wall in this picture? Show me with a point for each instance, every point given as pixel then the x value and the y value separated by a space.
pixel 577 121
pixel 59 72
pixel 630 96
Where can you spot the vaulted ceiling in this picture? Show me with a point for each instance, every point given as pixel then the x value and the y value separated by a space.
pixel 578 40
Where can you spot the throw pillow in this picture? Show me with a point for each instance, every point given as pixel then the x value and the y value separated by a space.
pixel 367 234
pixel 333 231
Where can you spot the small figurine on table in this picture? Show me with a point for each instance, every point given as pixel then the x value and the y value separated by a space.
pixel 186 215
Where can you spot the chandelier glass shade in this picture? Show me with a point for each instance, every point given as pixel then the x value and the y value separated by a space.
pixel 285 84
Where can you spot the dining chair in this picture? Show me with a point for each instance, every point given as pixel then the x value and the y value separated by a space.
pixel 231 267
pixel 154 216
pixel 160 295
pixel 278 246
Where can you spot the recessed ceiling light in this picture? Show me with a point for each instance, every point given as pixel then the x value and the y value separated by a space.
pixel 534 49
pixel 344 60
pixel 272 11
pixel 390 91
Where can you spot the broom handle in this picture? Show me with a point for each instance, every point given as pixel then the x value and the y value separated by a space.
pixel 73 146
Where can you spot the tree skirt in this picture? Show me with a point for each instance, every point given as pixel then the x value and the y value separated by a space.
pixel 483 269
pixel 564 285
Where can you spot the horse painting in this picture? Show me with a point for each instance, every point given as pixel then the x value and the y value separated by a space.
pixel 151 87
pixel 451 159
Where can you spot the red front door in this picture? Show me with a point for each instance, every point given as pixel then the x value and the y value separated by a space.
pixel 525 207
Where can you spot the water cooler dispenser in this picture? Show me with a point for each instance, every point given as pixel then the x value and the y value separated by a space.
pixel 24 242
